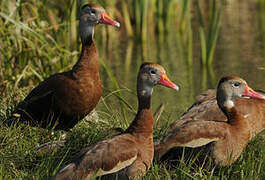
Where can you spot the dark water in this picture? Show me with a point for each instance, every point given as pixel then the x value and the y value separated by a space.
pixel 240 51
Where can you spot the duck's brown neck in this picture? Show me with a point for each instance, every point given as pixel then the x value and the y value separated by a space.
pixel 239 126
pixel 88 62
pixel 234 117
pixel 143 121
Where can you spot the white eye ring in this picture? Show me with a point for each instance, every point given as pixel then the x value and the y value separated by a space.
pixel 93 12
pixel 153 72
pixel 236 84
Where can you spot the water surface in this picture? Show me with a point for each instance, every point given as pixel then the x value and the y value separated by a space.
pixel 240 51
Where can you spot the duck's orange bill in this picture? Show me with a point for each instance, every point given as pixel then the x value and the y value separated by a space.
pixel 251 93
pixel 105 19
pixel 164 81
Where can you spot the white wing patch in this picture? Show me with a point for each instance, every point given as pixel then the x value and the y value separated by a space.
pixel 118 167
pixel 66 168
pixel 199 142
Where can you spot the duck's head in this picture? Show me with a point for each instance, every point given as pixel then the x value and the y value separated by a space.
pixel 93 14
pixel 232 87
pixel 152 74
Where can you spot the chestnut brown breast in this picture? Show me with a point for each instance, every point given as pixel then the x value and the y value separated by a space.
pixel 65 98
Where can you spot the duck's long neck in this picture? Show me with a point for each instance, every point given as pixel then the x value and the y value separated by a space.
pixel 86 33
pixel 225 103
pixel 143 121
pixel 88 60
pixel 234 117
pixel 228 107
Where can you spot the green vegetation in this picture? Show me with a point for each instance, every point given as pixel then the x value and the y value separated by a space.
pixel 39 38
pixel 208 44
pixel 20 161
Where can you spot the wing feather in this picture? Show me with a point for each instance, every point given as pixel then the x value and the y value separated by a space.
pixel 105 157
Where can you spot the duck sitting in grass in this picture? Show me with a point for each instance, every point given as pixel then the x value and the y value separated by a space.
pixel 242 107
pixel 63 99
pixel 130 154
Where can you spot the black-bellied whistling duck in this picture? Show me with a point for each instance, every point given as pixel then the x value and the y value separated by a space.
pixel 65 98
pixel 206 108
pixel 228 138
pixel 130 154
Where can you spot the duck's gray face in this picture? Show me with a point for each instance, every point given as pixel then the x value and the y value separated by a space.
pixel 232 87
pixel 235 88
pixel 92 14
pixel 239 88
pixel 150 76
pixel 153 74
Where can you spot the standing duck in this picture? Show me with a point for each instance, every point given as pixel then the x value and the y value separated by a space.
pixel 228 139
pixel 65 98
pixel 130 154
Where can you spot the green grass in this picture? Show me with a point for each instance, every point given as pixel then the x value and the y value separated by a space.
pixel 19 160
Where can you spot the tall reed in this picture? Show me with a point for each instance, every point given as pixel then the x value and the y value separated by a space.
pixel 185 33
pixel 261 22
pixel 209 33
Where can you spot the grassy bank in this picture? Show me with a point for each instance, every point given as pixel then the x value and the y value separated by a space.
pixel 19 159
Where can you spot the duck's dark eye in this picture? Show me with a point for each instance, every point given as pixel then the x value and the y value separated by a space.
pixel 236 84
pixel 153 72
pixel 93 11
